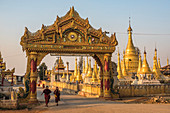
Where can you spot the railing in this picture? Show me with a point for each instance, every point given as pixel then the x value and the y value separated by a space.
pixel 143 90
pixel 89 89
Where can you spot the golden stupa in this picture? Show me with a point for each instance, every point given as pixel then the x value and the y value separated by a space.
pixel 156 68
pixel 119 69
pixel 89 73
pixel 124 70
pixel 139 66
pixel 79 77
pixel 159 63
pixel 94 76
pixel 131 54
pixel 86 69
pixel 145 66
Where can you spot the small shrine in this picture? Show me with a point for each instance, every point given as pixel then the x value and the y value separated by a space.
pixel 6 76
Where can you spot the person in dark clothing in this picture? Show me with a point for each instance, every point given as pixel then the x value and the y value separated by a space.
pixel 57 95
pixel 46 95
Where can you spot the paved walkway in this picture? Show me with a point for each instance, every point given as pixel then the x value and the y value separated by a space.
pixel 79 104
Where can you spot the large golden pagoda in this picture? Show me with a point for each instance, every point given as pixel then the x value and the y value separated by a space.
pixel 131 54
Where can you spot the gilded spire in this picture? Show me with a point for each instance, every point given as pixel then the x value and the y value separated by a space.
pixel 145 66
pixel 159 63
pixel 94 78
pixel 155 58
pixel 75 70
pixel 156 68
pixel 167 61
pixel 60 61
pixel 139 65
pixel 83 66
pixel 95 68
pixel 72 11
pixel 124 71
pixel 119 70
pixel 130 49
pixel 87 64
pixel 79 77
pixel 156 53
pixel 89 74
pixel 129 29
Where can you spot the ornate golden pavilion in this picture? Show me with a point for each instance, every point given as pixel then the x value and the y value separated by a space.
pixel 69 34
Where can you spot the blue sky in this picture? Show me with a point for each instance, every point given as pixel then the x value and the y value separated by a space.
pixel 150 21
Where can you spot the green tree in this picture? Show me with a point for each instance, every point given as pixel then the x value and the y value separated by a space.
pixel 41 70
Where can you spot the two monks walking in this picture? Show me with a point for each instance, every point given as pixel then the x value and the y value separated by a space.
pixel 47 95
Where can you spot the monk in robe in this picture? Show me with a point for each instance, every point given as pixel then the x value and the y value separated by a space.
pixel 57 95
pixel 46 95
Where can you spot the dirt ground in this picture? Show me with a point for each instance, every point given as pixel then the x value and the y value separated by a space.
pixel 79 104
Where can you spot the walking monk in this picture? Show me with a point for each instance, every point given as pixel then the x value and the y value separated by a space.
pixel 57 95
pixel 46 95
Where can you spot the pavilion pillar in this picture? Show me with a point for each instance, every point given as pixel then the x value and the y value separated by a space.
pixel 33 77
pixel 107 76
pixel 101 82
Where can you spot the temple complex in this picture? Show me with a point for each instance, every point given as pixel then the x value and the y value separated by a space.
pixel 132 67
pixel 89 75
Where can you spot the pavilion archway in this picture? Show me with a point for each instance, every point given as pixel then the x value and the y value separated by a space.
pixel 69 34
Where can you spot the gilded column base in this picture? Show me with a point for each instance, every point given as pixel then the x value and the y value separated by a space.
pixel 33 100
pixel 107 94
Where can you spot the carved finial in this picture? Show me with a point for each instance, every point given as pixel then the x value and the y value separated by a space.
pixel 155 47
pixel 129 29
pixel 72 8
pixel 72 11
pixel 42 26
pixel 100 30
pixel 57 19
pixel 26 29
pixel 13 70
pixel 87 21
pixel 144 50
pixel 113 36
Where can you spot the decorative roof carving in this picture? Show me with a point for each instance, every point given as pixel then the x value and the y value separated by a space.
pixel 56 35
